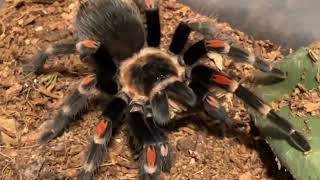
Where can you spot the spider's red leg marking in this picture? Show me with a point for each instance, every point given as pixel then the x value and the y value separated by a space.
pixel 112 115
pixel 218 46
pixel 151 156
pixel 150 3
pixel 214 109
pixel 87 47
pixel 87 84
pixel 225 82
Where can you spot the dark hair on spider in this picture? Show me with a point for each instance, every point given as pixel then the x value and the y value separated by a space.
pixel 139 75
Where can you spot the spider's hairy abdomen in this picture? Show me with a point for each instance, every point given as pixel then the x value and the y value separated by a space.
pixel 114 23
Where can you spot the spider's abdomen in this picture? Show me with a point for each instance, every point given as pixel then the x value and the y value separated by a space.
pixel 149 72
pixel 114 23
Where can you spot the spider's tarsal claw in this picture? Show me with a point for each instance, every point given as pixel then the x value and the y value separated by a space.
pixel 216 110
pixel 87 47
pixel 160 108
pixel 181 92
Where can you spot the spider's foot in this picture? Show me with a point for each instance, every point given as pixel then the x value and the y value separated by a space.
pixel 97 149
pixel 83 175
pixel 36 64
pixel 87 47
pixel 300 141
pixel 53 128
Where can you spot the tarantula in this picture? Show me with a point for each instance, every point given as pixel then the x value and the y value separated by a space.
pixel 141 77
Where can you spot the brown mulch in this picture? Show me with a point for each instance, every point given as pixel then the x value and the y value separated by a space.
pixel 26 101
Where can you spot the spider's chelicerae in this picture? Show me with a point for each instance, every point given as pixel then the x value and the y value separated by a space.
pixel 141 77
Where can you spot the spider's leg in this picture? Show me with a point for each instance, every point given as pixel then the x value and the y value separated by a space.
pixel 185 27
pixel 240 55
pixel 209 76
pixel 211 105
pixel 151 142
pixel 153 22
pixel 38 61
pixel 112 116
pixel 74 103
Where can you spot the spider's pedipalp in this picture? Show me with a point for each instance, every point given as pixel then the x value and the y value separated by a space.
pixel 112 115
pixel 160 108
pixel 74 103
pixel 38 61
pixel 216 78
pixel 182 93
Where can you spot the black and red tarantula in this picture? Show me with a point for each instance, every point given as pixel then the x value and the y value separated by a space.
pixel 141 77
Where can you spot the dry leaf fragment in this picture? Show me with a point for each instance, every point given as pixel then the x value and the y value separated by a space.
pixel 217 59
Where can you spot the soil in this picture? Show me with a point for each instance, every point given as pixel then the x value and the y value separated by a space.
pixel 27 100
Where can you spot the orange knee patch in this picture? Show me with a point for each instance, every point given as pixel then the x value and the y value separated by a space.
pixel 151 156
pixel 101 128
pixel 87 80
pixel 216 43
pixel 219 79
pixel 89 44
pixel 150 3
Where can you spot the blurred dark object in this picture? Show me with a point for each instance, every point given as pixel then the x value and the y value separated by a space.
pixel 289 23
pixel 43 1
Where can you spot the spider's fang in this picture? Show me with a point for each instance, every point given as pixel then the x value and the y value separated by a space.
pixel 182 93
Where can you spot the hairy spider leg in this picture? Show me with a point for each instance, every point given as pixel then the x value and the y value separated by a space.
pixel 209 76
pixel 212 106
pixel 111 118
pixel 153 23
pixel 202 47
pixel 192 55
pixel 150 142
pixel 73 104
pixel 83 47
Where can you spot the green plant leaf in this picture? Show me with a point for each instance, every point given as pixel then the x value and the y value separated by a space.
pixel 301 70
